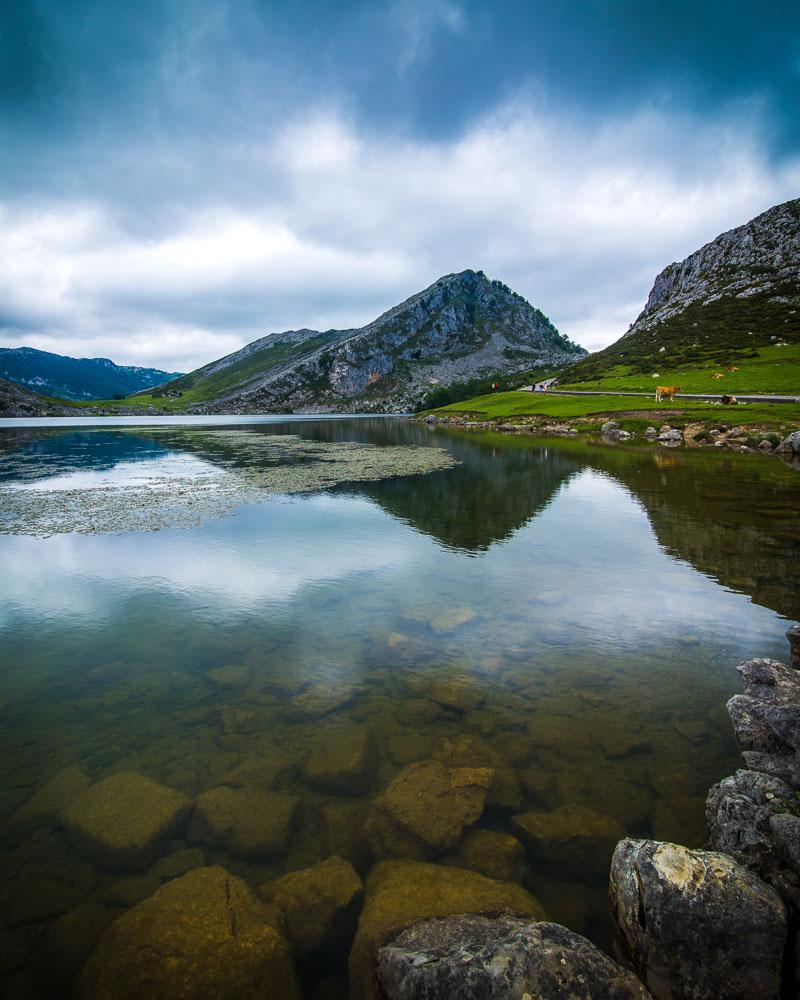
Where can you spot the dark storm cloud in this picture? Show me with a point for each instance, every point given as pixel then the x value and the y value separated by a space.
pixel 179 177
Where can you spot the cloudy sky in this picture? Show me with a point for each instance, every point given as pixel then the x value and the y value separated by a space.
pixel 179 177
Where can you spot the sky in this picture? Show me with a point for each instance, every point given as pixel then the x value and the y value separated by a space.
pixel 180 177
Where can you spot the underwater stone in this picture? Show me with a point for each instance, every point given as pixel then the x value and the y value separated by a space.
pixel 695 923
pixel 461 694
pixel 319 904
pixel 491 853
pixel 425 809
pixel 344 764
pixel 202 935
pixel 55 795
pixel 319 700
pixel 401 893
pixel 178 863
pixel 496 958
pixel 452 619
pixel 124 820
pixel 268 772
pixel 344 823
pixel 573 837
pixel 229 676
pixel 68 942
pixel 248 822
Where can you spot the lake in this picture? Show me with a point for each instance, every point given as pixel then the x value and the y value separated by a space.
pixel 209 602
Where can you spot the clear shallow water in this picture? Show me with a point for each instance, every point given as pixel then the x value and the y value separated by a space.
pixel 594 601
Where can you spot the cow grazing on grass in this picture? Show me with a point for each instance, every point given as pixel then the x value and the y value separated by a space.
pixel 666 392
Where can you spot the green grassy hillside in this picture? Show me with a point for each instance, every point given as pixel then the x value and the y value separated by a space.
pixel 707 337
pixel 204 384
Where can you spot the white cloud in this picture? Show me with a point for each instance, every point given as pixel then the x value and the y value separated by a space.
pixel 333 225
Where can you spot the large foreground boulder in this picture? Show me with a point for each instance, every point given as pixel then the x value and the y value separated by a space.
pixel 248 822
pixel 696 924
pixel 204 936
pixel 319 904
pixel 425 809
pixel 495 958
pixel 125 820
pixel 401 893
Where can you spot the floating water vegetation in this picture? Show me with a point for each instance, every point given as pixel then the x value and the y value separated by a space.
pixel 221 471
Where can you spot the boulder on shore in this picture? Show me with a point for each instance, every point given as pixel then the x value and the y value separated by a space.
pixel 401 893
pixel 317 903
pixel 425 809
pixel 125 820
pixel 495 958
pixel 202 935
pixel 695 923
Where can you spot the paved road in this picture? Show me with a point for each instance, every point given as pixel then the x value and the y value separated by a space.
pixel 681 395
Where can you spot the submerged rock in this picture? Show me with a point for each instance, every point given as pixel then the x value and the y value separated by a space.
pixel 496 958
pixel 124 820
pixel 319 700
pixel 68 942
pixel 425 809
pixel 202 935
pixel 318 904
pixel 695 923
pixel 248 822
pixel 56 794
pixel 574 837
pixel 401 893
pixel 344 764
pixel 493 854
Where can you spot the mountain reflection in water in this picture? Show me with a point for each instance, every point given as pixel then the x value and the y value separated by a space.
pixel 592 601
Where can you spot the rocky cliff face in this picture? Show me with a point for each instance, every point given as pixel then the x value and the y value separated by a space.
pixel 738 293
pixel 461 327
pixel 759 258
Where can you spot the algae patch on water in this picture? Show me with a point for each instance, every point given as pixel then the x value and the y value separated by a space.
pixel 219 471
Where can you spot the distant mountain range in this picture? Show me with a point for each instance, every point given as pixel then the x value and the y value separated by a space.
pixel 75 378
pixel 463 326
pixel 740 291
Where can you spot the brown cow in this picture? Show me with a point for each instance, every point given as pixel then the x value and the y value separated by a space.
pixel 728 400
pixel 666 392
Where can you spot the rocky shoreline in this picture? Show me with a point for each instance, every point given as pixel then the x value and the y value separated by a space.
pixel 743 439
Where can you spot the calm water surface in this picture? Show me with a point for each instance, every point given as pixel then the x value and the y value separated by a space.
pixel 591 602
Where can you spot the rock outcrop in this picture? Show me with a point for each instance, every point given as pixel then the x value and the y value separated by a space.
pixel 468 956
pixel 696 924
pixel 203 935
pixel 461 327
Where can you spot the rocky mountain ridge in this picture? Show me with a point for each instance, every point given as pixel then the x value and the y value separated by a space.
pixel 760 257
pixel 463 326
